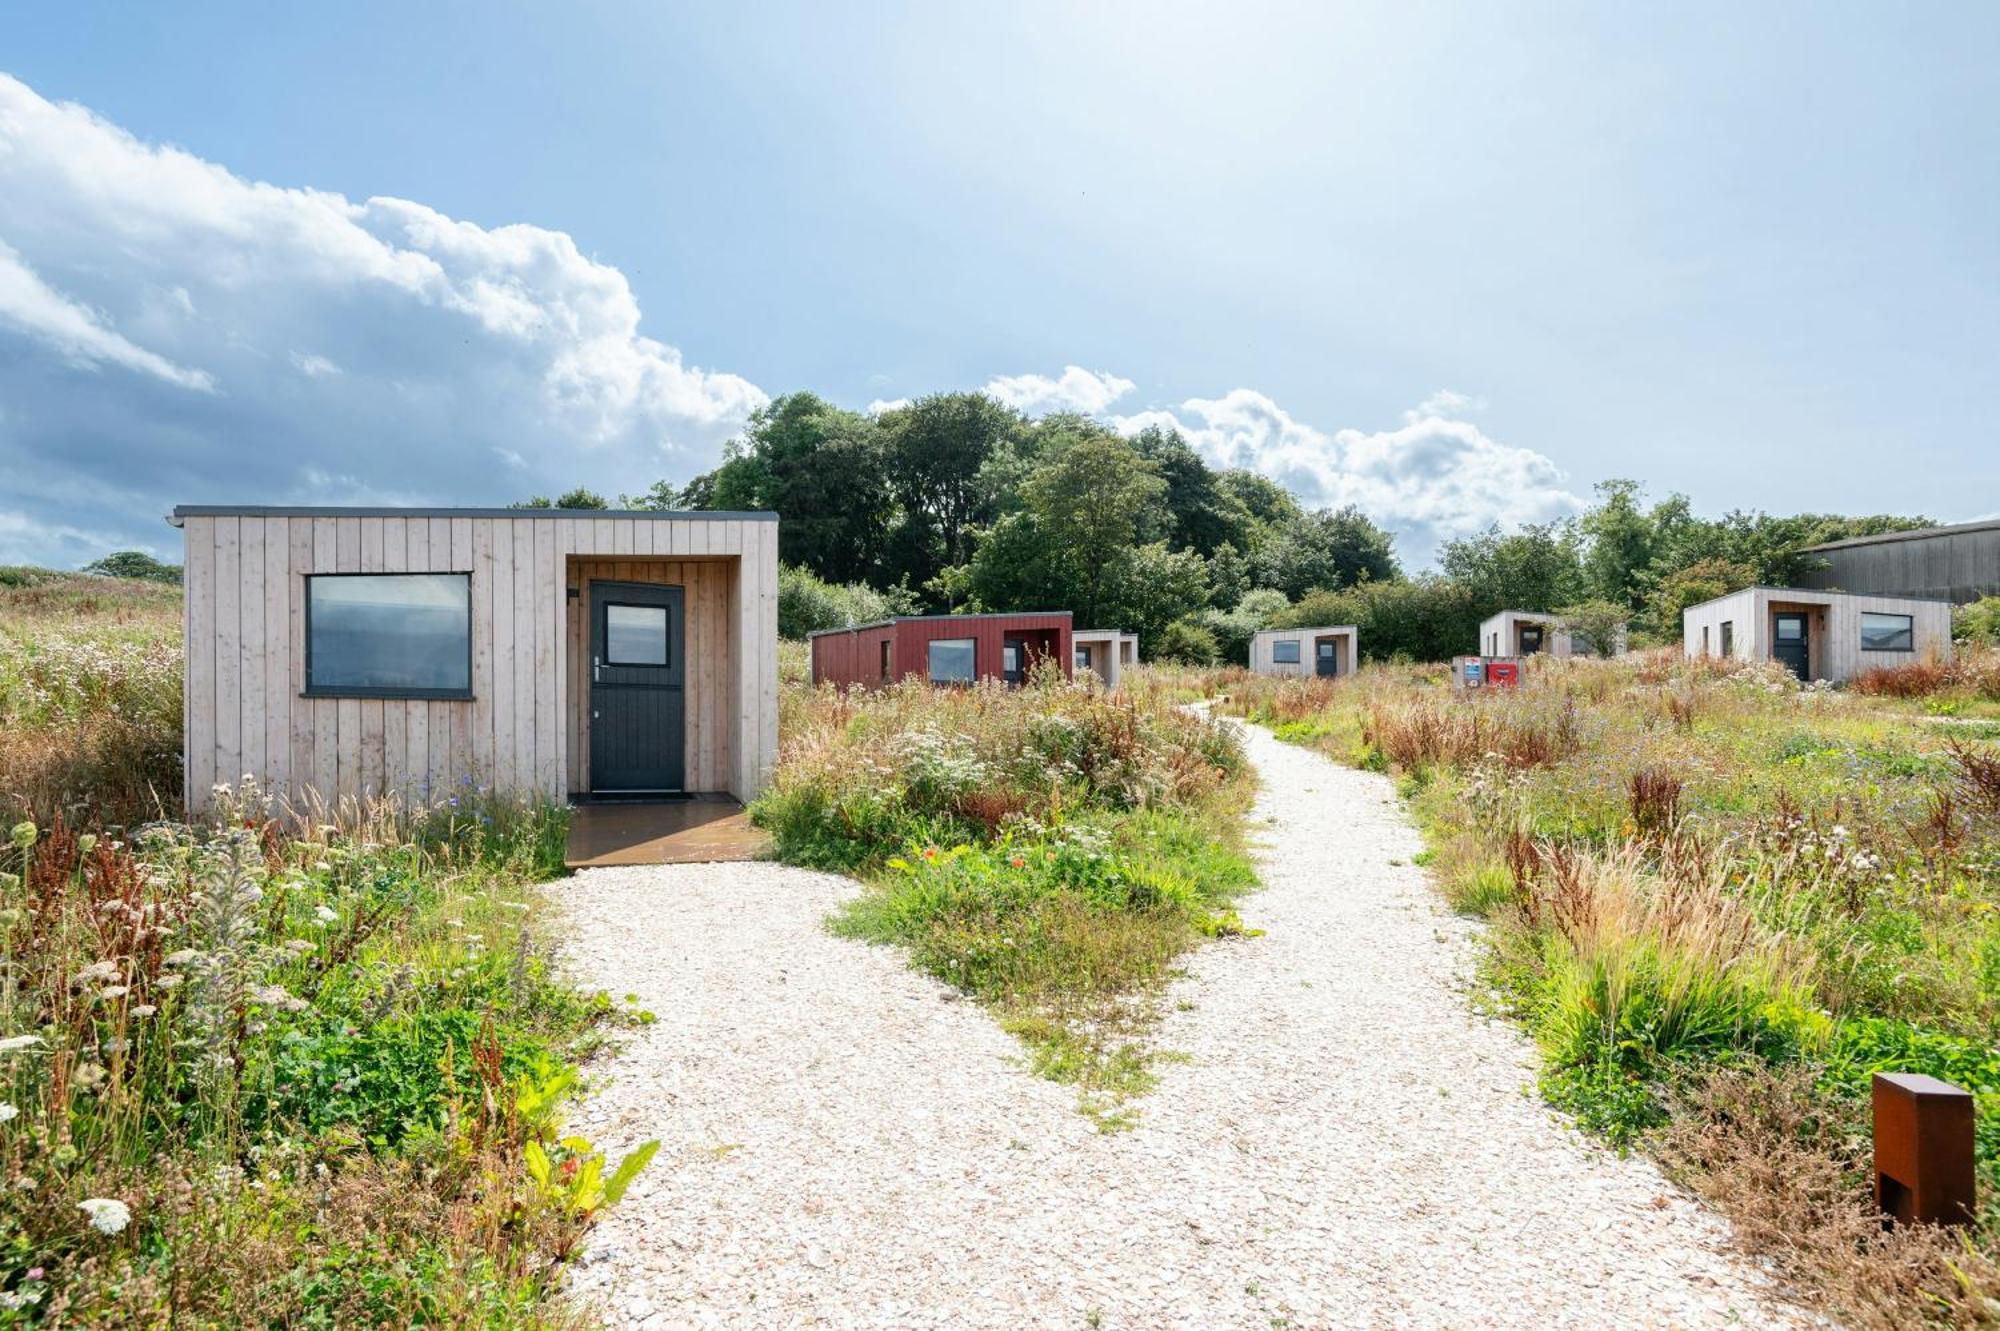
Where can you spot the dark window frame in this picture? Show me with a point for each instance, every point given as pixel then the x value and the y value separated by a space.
pixel 666 660
pixel 1728 637
pixel 310 690
pixel 1908 631
pixel 888 667
pixel 1278 647
pixel 930 671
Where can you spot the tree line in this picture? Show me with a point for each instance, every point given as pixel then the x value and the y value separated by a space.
pixel 957 502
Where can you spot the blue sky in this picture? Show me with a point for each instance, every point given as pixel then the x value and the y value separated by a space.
pixel 1454 263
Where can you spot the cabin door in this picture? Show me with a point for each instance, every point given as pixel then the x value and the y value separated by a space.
pixel 637 703
pixel 1326 660
pixel 1790 643
pixel 1014 659
pixel 1531 639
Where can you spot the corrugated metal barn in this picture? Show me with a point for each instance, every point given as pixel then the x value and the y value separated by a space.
pixel 1957 564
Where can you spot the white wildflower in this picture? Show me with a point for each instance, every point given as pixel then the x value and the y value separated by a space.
pixel 325 914
pixel 113 991
pixel 16 1043
pixel 96 971
pixel 7 1112
pixel 143 1010
pixel 167 982
pixel 187 956
pixel 107 1215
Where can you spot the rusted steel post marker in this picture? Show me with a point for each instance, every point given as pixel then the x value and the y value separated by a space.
pixel 1923 1149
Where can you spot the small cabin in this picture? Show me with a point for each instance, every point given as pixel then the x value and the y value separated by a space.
pixel 1529 633
pixel 1327 652
pixel 942 649
pixel 1817 635
pixel 1105 653
pixel 357 653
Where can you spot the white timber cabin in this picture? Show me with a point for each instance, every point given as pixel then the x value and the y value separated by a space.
pixel 1326 651
pixel 1105 652
pixel 1528 633
pixel 339 654
pixel 1832 636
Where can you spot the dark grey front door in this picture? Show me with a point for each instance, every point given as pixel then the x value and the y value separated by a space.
pixel 1325 662
pixel 637 704
pixel 1531 639
pixel 1790 643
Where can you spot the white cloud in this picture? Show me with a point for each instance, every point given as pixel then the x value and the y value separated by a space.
pixel 170 332
pixel 1431 480
pixel 79 334
pixel 1076 389
pixel 1445 405
pixel 882 404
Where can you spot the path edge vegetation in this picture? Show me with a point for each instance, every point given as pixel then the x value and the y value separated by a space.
pixel 261 1070
pixel 1699 955
pixel 1051 851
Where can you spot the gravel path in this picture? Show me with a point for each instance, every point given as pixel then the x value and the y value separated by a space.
pixel 847 1145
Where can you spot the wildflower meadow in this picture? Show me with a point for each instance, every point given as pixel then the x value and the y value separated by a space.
pixel 1720 900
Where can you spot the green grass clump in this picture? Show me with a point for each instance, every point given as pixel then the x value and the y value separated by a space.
pixel 1050 851
pixel 312 1065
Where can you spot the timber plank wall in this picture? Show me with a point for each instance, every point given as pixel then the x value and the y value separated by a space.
pixel 524 729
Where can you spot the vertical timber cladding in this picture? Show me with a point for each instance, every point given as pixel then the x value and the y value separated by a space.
pixel 245 625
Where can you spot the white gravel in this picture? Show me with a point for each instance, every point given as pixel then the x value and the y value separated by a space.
pixel 848 1145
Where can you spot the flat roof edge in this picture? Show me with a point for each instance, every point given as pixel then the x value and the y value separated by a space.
pixel 927 619
pixel 1822 591
pixel 182 511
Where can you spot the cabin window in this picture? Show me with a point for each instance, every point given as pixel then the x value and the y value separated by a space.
pixel 951 660
pixel 635 635
pixel 1285 653
pixel 1704 640
pixel 1888 633
pixel 1083 658
pixel 1729 637
pixel 885 658
pixel 389 635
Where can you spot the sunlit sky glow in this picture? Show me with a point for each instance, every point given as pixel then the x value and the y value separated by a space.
pixel 1453 263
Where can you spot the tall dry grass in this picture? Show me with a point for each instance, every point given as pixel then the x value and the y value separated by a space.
pixel 90 697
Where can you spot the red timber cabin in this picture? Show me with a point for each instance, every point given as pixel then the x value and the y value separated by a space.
pixel 944 649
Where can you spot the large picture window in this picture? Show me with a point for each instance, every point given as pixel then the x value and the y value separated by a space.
pixel 950 660
pixel 1285 653
pixel 389 635
pixel 1888 633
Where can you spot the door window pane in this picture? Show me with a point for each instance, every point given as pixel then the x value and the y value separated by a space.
pixel 635 635
pixel 1792 628
pixel 1285 653
pixel 1326 650
pixel 1888 633
pixel 950 660
pixel 389 634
